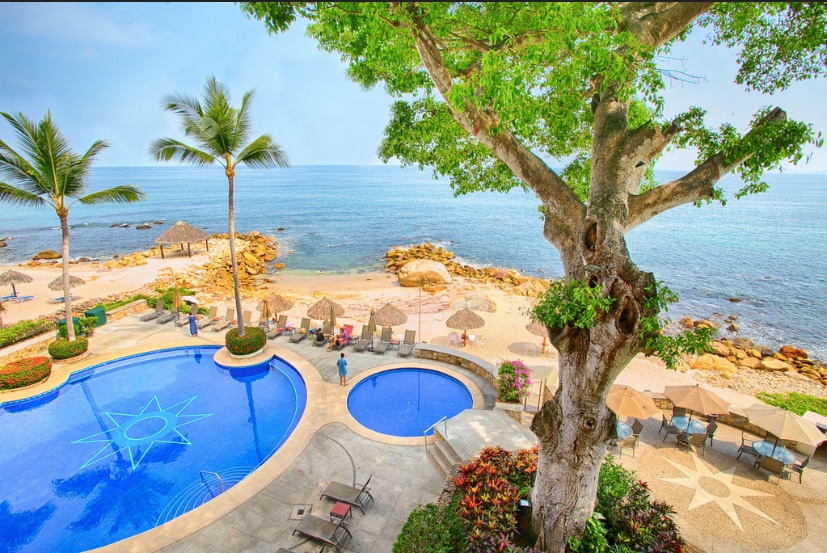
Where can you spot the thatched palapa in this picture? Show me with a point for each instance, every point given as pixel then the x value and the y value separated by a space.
pixel 182 232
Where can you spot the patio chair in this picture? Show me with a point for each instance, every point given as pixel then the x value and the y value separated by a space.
pixel 334 534
pixel 152 315
pixel 225 321
pixel 637 427
pixel 453 339
pixel 678 412
pixel 407 345
pixel 746 447
pixel 347 333
pixel 689 440
pixel 773 466
pixel 670 428
pixel 208 320
pixel 279 330
pixel 354 496
pixel 365 340
pixel 798 468
pixel 627 442
pixel 710 431
pixel 384 340
pixel 298 336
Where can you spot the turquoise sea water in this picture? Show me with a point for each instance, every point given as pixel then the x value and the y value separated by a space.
pixel 766 250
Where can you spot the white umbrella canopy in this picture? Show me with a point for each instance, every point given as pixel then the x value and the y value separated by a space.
pixel 57 284
pixel 784 425
pixel 628 402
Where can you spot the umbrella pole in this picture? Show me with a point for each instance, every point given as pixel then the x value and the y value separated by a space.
pixel 13 290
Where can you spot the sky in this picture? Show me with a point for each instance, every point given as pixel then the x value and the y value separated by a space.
pixel 102 69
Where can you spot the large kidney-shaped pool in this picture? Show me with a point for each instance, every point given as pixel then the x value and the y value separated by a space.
pixel 127 445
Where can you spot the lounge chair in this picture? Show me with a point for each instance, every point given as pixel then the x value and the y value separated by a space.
pixel 354 496
pixel 453 339
pixel 152 315
pixel 279 330
pixel 384 340
pixel 347 335
pixel 61 299
pixel 334 534
pixel 167 316
pixel 246 318
pixel 365 340
pixel 211 318
pixel 225 321
pixel 298 336
pixel 407 345
pixel 327 331
pixel 21 299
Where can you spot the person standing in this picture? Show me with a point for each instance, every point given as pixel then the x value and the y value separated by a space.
pixel 342 365
pixel 193 326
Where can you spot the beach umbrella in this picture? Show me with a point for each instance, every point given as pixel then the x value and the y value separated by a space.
pixel 265 310
pixel 332 320
pixel 372 322
pixel 14 277
pixel 538 330
pixel 190 300
pixel 176 300
pixel 182 232
pixel 465 320
pixel 628 402
pixel 784 425
pixel 389 315
pixel 321 309
pixel 278 303
pixel 697 399
pixel 57 284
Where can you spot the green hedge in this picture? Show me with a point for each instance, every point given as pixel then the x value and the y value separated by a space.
pixel 795 402
pixel 432 528
pixel 64 349
pixel 24 330
pixel 254 339
pixel 25 372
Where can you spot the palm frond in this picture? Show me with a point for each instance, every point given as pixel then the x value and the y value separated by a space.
pixel 124 194
pixel 166 149
pixel 16 196
pixel 263 153
pixel 184 106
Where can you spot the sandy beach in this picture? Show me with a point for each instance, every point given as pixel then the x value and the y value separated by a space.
pixel 504 333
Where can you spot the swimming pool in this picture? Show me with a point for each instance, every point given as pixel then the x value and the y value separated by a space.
pixel 127 445
pixel 404 402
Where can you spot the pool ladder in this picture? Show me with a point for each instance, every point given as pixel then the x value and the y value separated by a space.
pixel 443 420
pixel 220 485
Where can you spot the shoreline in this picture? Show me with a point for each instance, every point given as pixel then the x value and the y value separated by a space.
pixel 504 332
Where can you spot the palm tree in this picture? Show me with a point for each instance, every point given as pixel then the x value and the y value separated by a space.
pixel 50 173
pixel 220 132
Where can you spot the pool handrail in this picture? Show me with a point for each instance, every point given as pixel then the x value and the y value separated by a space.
pixel 220 485
pixel 433 427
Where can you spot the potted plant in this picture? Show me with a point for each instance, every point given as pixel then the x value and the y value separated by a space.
pixel 251 344
pixel 513 385
pixel 87 325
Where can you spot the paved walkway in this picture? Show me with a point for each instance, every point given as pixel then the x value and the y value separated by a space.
pixel 722 504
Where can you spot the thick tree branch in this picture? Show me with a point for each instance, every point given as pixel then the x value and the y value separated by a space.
pixel 656 23
pixel 564 211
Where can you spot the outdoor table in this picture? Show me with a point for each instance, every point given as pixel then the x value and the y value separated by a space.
pixel 340 511
pixel 684 424
pixel 623 430
pixel 781 453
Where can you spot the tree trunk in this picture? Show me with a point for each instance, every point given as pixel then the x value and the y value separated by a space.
pixel 67 296
pixel 233 260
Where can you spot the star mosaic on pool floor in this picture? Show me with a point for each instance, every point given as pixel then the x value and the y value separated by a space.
pixel 717 487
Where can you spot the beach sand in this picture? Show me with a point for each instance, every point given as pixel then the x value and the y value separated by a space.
pixel 505 335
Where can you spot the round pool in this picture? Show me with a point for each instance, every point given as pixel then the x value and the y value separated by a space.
pixel 128 445
pixel 405 402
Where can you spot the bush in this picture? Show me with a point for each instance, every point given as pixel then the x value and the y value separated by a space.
pixel 253 340
pixel 62 332
pixel 795 402
pixel 24 330
pixel 25 372
pixel 87 324
pixel 513 382
pixel 432 528
pixel 64 349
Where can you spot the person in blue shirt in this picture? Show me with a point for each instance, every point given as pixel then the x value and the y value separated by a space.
pixel 342 366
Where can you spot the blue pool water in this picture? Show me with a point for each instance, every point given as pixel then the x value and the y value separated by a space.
pixel 404 402
pixel 119 448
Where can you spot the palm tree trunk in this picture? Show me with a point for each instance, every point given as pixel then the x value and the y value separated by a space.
pixel 67 296
pixel 233 260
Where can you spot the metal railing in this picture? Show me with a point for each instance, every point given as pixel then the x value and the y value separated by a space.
pixel 433 427
pixel 220 485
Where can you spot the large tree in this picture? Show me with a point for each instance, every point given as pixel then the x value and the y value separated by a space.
pixel 221 133
pixel 49 172
pixel 492 94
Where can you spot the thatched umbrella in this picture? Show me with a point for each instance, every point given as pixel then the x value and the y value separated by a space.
pixel 182 232
pixel 538 330
pixel 321 309
pixel 389 315
pixel 57 284
pixel 265 311
pixel 278 303
pixel 12 277
pixel 465 320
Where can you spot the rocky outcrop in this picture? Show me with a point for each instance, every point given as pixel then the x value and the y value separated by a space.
pixel 423 271
pixel 48 254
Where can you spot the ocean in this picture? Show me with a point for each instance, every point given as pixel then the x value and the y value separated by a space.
pixel 766 250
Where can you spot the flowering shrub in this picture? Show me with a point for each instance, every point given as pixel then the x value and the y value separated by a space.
pixel 25 372
pixel 514 380
pixel 64 349
pixel 24 330
pixel 253 340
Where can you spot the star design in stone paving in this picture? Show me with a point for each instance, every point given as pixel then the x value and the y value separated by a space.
pixel 718 488
pixel 134 431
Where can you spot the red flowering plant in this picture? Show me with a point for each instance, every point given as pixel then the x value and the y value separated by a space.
pixel 25 372
pixel 513 382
